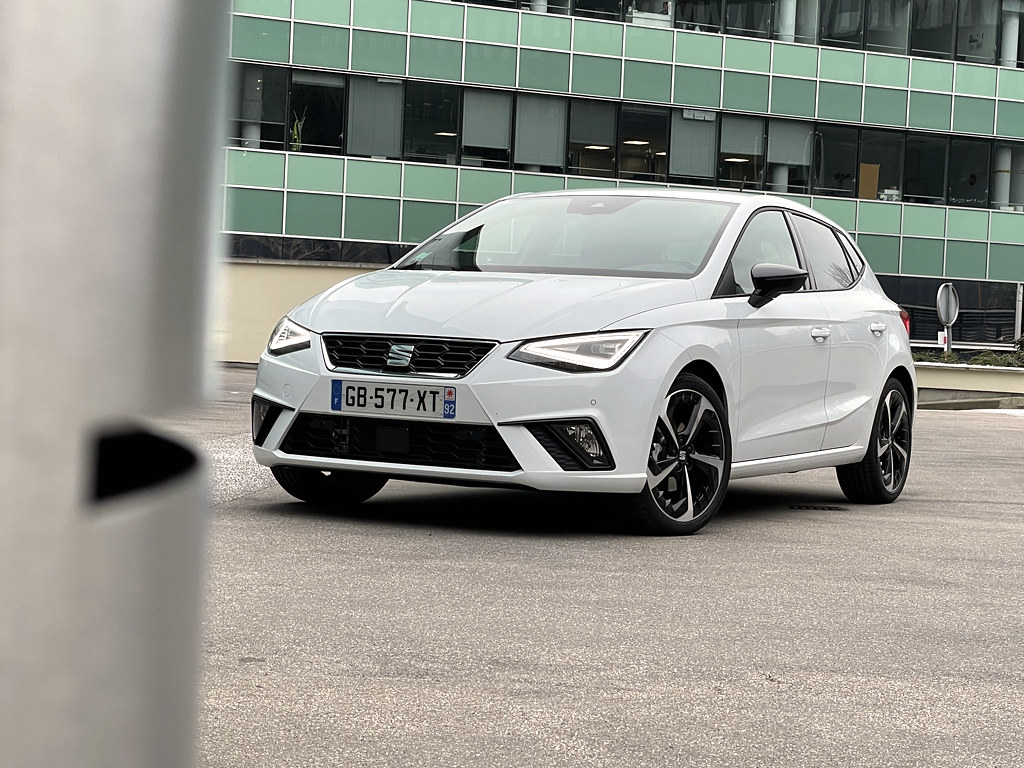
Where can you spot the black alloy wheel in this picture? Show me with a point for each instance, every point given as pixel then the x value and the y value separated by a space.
pixel 879 477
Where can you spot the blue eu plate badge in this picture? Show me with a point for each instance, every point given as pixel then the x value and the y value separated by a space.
pixel 449 402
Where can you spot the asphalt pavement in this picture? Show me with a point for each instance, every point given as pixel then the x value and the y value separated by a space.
pixel 443 626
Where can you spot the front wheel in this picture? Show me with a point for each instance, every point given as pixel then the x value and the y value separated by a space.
pixel 879 477
pixel 328 488
pixel 689 461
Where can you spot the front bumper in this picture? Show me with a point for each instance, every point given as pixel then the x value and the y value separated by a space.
pixel 499 396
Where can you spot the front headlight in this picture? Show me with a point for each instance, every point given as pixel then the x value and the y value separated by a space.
pixel 288 336
pixel 595 352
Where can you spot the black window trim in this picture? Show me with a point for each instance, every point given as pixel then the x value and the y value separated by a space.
pixel 802 248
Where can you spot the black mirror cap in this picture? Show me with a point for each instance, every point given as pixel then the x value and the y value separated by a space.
pixel 771 280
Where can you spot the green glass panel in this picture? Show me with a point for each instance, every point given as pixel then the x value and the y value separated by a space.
pixel 421 220
pixel 748 93
pixel 1006 262
pixel 313 215
pixel 931 75
pixel 973 115
pixel 1011 84
pixel 930 110
pixel 967 260
pixel 967 225
pixel 793 97
pixel 596 77
pixel 1011 119
pixel 839 102
pixel 435 59
pixel 483 186
pixel 646 43
pixel 885 106
pixel 381 14
pixel 526 182
pixel 799 60
pixel 378 52
pixel 842 212
pixel 878 217
pixel 492 26
pixel 465 210
pixel 741 53
pixel 490 64
pixel 542 31
pixel 260 39
pixel 327 11
pixel 440 19
pixel 282 8
pixel 695 48
pixel 367 218
pixel 577 183
pixel 1007 227
pixel 698 87
pixel 882 253
pixel 543 70
pixel 255 169
pixel 974 80
pixel 430 183
pixel 640 185
pixel 318 174
pixel 254 210
pixel 926 220
pixel 317 46
pixel 597 37
pixel 647 82
pixel 802 199
pixel 921 257
pixel 365 177
pixel 887 70
pixel 841 65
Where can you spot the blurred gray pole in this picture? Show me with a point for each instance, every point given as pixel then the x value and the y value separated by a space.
pixel 110 116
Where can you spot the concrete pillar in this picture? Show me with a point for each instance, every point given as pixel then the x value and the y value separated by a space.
pixel 786 21
pixel 1001 172
pixel 540 6
pixel 1011 33
pixel 1017 178
pixel 779 182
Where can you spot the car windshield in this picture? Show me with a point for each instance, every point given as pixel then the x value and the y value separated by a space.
pixel 583 234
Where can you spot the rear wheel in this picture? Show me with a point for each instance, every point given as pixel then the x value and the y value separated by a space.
pixel 689 461
pixel 879 477
pixel 328 488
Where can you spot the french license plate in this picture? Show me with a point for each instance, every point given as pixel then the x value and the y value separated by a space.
pixel 393 399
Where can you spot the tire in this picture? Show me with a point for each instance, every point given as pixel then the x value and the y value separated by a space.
pixel 879 477
pixel 328 488
pixel 689 461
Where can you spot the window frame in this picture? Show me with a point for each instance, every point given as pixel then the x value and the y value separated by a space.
pixel 803 248
pixel 727 270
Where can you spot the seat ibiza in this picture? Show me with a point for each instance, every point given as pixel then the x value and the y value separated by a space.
pixel 647 345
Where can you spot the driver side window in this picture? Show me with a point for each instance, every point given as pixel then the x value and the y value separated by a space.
pixel 766 240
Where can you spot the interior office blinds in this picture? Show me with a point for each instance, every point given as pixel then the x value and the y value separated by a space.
pixel 790 142
pixel 694 133
pixel 742 135
pixel 540 130
pixel 375 116
pixel 486 119
pixel 593 122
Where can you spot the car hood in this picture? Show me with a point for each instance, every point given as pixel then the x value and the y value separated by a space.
pixel 500 306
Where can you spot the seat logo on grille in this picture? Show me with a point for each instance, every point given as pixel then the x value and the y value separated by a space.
pixel 400 355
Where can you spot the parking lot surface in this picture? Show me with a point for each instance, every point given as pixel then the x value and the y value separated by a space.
pixel 442 626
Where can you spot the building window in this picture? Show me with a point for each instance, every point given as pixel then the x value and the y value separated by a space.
pixel 699 15
pixel 834 157
pixel 317 119
pixel 789 156
pixel 932 28
pixel 694 146
pixel 263 93
pixel 969 163
pixel 887 25
pixel 978 31
pixel 486 128
pixel 609 10
pixel 924 174
pixel 431 123
pixel 540 133
pixel 880 171
pixel 643 142
pixel 592 138
pixel 842 23
pixel 750 18
pixel 741 152
pixel 375 106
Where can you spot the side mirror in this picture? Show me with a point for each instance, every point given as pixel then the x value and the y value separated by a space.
pixel 771 280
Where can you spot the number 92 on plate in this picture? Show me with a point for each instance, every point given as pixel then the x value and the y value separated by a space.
pixel 393 399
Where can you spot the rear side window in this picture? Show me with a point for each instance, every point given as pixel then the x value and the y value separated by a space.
pixel 824 254
pixel 766 240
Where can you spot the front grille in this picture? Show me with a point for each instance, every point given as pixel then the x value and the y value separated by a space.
pixel 440 444
pixel 437 357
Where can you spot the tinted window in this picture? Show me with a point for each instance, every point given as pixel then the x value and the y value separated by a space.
pixel 825 256
pixel 766 240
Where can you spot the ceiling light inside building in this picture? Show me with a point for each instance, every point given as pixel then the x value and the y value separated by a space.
pixel 735 160
pixel 597 147
pixel 636 143
pixel 446 134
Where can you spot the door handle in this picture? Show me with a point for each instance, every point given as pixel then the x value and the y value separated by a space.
pixel 820 334
pixel 877 328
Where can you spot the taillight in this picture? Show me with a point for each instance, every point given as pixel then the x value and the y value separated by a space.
pixel 905 317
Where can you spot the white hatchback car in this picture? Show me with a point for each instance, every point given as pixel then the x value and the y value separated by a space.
pixel 649 344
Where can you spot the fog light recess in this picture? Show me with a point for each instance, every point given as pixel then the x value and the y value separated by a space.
pixel 576 445
pixel 264 416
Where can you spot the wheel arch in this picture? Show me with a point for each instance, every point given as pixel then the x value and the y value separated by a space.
pixel 708 373
pixel 902 375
